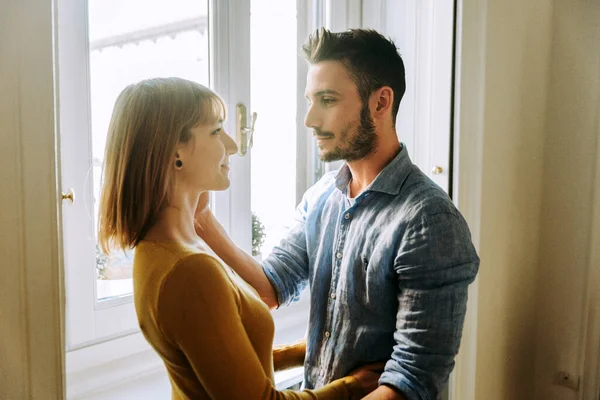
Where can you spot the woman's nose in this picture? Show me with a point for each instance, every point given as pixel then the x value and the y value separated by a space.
pixel 230 145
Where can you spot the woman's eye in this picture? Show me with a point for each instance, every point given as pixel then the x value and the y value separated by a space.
pixel 217 132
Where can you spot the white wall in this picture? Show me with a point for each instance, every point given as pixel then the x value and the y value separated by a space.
pixel 517 61
pixel 567 202
pixel 540 72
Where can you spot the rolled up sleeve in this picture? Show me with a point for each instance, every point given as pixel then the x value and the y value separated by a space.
pixel 287 266
pixel 435 264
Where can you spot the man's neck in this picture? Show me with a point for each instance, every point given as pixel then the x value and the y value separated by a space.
pixel 365 170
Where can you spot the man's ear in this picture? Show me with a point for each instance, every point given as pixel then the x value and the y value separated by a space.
pixel 382 101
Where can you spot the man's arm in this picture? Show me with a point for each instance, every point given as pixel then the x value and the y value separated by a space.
pixel 211 231
pixel 435 264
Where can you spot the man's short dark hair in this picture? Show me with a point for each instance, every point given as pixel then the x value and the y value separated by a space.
pixel 371 59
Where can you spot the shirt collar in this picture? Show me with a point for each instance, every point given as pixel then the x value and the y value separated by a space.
pixel 389 180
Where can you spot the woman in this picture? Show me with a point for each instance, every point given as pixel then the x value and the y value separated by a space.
pixel 165 148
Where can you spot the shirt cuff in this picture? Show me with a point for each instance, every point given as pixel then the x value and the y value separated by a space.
pixel 404 386
pixel 276 283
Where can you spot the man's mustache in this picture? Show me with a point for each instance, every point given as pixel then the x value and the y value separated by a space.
pixel 322 135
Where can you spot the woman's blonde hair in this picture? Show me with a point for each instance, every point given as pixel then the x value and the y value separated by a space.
pixel 150 119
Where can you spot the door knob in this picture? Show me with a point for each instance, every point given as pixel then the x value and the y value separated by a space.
pixel 69 196
pixel 437 170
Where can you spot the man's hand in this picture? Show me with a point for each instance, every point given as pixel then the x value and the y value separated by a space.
pixel 368 376
pixel 384 393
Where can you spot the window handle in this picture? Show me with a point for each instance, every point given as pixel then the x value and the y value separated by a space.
pixel 245 133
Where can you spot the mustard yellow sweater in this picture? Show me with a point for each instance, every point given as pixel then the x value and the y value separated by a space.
pixel 211 329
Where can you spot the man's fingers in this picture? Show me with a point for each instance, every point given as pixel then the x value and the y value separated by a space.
pixel 375 367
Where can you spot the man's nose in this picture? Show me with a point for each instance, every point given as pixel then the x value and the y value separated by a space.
pixel 312 119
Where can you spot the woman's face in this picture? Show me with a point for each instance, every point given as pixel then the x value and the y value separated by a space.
pixel 205 158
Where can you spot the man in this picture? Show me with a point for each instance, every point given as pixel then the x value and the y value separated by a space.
pixel 387 256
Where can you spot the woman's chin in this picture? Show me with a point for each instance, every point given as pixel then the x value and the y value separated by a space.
pixel 223 185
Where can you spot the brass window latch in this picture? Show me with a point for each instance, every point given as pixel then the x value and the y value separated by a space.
pixel 245 133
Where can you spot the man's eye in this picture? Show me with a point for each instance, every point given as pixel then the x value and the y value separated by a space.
pixel 327 101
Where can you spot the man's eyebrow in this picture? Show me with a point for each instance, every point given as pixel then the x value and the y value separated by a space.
pixel 324 92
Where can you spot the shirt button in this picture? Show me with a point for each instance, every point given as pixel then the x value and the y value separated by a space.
pixel 347 216
pixel 339 255
pixel 333 296
pixel 327 334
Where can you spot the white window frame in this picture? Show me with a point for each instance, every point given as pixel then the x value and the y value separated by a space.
pixel 90 320
pixel 104 344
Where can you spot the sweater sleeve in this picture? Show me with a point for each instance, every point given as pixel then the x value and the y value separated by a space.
pixel 199 312
pixel 288 356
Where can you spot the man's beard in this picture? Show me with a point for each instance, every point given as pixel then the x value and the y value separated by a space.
pixel 361 144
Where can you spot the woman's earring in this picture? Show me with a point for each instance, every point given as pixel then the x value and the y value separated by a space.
pixel 178 164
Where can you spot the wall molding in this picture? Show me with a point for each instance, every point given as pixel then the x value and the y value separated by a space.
pixel 112 364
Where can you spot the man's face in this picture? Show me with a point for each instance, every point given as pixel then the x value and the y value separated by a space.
pixel 341 123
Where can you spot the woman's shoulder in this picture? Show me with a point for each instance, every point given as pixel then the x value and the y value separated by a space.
pixel 199 264
pixel 198 277
pixel 175 253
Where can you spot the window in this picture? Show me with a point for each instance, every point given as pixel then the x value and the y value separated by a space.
pixel 170 40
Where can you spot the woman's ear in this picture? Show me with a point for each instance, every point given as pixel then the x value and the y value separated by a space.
pixel 178 161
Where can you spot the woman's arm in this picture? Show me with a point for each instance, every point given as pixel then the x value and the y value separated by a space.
pixel 288 356
pixel 211 231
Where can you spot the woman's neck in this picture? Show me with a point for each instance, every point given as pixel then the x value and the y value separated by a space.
pixel 174 223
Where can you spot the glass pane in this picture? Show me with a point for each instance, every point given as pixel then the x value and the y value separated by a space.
pixel 274 49
pixel 131 40
pixel 274 57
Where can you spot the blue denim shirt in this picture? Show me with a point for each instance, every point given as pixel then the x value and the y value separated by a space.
pixel 388 278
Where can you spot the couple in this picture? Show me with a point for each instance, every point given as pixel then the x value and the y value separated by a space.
pixel 387 256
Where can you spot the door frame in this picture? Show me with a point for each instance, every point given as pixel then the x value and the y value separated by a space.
pixel 469 105
pixel 589 356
